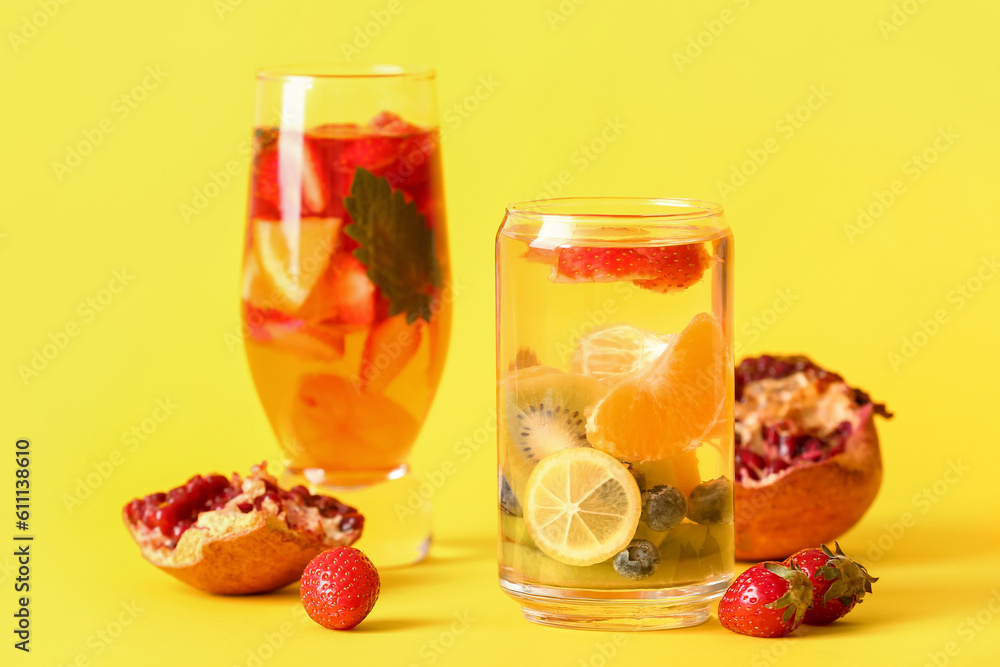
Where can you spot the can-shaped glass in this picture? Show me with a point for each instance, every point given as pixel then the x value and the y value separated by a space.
pixel 615 407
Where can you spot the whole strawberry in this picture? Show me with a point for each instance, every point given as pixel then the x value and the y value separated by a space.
pixel 768 600
pixel 838 582
pixel 339 588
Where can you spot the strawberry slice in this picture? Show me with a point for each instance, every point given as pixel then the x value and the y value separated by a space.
pixel 285 163
pixel 675 267
pixel 601 265
pixel 343 295
pixel 661 269
pixel 389 123
pixel 351 290
pixel 389 347
pixel 261 322
pixel 305 339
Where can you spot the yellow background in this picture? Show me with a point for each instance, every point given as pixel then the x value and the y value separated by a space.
pixel 536 81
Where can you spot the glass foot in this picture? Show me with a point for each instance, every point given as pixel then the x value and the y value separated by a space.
pixel 611 610
pixel 397 518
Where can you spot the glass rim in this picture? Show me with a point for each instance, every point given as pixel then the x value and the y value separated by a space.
pixel 581 209
pixel 318 71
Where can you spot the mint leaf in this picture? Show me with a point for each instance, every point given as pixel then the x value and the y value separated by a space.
pixel 396 245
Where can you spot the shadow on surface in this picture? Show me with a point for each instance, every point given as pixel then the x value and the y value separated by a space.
pixel 392 624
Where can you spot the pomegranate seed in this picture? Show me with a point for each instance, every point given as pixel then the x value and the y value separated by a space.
pixel 813 451
pixel 273 496
pixel 175 511
pixel 351 522
pixel 787 446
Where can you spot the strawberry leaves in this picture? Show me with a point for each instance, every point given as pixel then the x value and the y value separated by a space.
pixel 397 247
pixel 850 579
pixel 839 582
pixel 797 599
pixel 768 600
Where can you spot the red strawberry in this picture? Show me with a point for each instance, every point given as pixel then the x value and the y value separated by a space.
pixel 768 600
pixel 838 582
pixel 676 267
pixel 339 588
pixel 261 322
pixel 352 291
pixel 389 347
pixel 343 295
pixel 661 268
pixel 387 122
pixel 600 265
pixel 288 165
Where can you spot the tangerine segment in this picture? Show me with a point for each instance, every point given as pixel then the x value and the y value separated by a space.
pixel 581 506
pixel 612 351
pixel 343 430
pixel 293 256
pixel 670 406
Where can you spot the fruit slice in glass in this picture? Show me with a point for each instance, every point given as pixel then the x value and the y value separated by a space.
pixel 345 275
pixel 614 342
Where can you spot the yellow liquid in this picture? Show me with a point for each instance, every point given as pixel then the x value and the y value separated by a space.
pixel 550 318
pixel 325 420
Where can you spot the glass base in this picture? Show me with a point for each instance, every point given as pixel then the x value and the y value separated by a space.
pixel 397 518
pixel 614 610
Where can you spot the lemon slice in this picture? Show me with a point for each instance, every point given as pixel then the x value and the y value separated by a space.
pixel 292 257
pixel 581 506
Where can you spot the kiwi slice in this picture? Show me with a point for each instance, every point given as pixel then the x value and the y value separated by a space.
pixel 546 413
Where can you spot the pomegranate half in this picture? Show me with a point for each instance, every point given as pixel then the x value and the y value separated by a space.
pixel 235 536
pixel 808 464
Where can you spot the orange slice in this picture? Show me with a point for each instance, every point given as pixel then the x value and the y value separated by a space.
pixel 670 406
pixel 340 429
pixel 388 349
pixel 292 257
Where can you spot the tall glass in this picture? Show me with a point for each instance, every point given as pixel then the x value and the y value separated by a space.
pixel 615 396
pixel 345 300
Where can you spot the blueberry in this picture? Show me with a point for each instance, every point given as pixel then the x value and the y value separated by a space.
pixel 711 502
pixel 638 560
pixel 663 507
pixel 508 501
